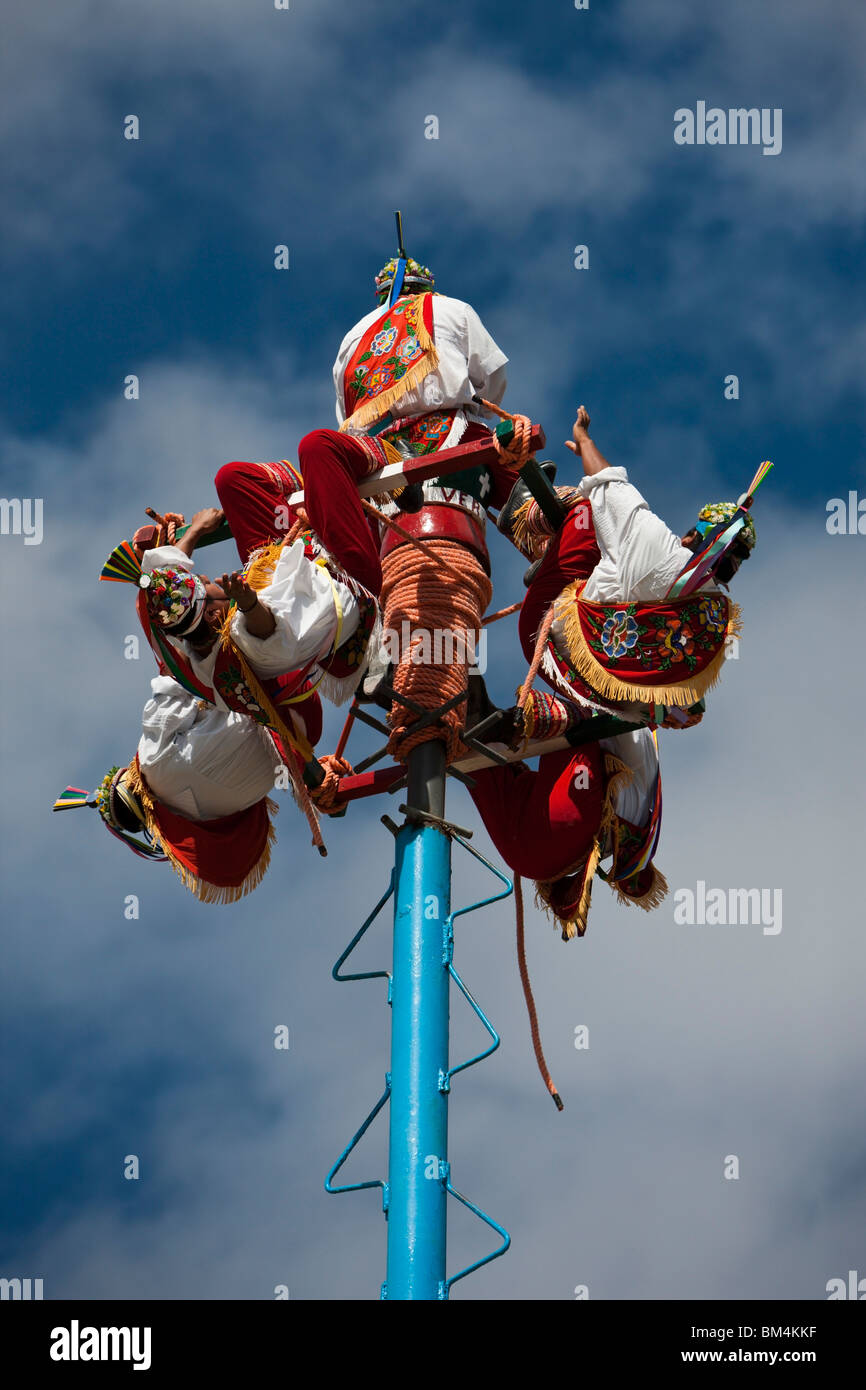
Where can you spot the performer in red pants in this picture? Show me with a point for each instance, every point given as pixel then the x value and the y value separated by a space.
pixel 333 464
pixel 254 497
pixel 545 824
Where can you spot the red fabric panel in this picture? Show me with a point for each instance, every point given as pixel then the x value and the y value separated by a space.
pixel 221 851
pixel 440 523
pixel 573 553
pixel 309 710
pixel 540 822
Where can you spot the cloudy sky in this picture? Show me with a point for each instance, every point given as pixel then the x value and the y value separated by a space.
pixel 306 127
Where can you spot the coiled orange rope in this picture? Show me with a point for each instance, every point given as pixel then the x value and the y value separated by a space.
pixel 441 603
pixel 515 454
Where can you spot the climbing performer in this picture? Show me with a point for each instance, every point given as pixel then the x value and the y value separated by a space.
pixel 585 555
pixel 408 379
pixel 196 793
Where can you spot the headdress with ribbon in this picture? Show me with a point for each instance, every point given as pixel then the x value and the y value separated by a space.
pixel 111 791
pixel 175 598
pixel 721 526
pixel 401 273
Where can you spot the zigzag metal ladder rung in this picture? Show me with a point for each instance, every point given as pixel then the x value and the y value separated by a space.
pixel 445 1077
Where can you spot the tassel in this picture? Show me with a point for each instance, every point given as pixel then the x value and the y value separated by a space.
pixel 122 566
pixel 651 897
pixel 72 797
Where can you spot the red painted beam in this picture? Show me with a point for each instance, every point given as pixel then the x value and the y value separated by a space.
pixel 437 465
pixel 371 783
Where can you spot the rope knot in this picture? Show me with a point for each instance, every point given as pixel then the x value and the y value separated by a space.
pixel 326 795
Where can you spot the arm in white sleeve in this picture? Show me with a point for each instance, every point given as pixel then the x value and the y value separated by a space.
pixel 339 372
pixel 308 606
pixel 645 553
pixel 485 360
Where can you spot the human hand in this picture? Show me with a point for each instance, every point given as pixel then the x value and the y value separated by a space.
pixel 579 430
pixel 207 520
pixel 238 591
pixel 676 718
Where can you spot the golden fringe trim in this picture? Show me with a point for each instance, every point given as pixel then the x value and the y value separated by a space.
pixel 617 775
pixel 374 409
pixel 205 892
pixel 611 687
pixel 275 719
pixel 652 898
pixel 261 566
pixel 520 527
pixel 392 453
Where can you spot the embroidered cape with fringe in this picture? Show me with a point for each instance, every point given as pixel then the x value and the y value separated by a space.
pixel 670 652
pixel 219 860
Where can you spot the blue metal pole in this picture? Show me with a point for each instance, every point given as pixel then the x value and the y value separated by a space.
pixel 418 1143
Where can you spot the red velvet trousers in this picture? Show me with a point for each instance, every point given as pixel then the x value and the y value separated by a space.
pixel 333 464
pixel 543 822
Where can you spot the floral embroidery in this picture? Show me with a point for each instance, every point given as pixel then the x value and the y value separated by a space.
pixel 391 347
pixel 713 615
pixel 676 639
pixel 408 350
pixel 237 694
pixel 384 340
pixel 378 380
pixel 619 634
pixel 425 433
pixel 649 639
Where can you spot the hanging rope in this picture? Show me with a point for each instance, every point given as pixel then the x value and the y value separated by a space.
pixel 527 994
pixel 442 604
pixel 500 613
pixel 540 644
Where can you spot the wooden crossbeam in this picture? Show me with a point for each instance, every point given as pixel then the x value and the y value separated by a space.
pixel 438 465
pixel 417 470
pixel 385 779
pixel 364 784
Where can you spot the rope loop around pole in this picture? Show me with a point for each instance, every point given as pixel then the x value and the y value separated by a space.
pixel 433 602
